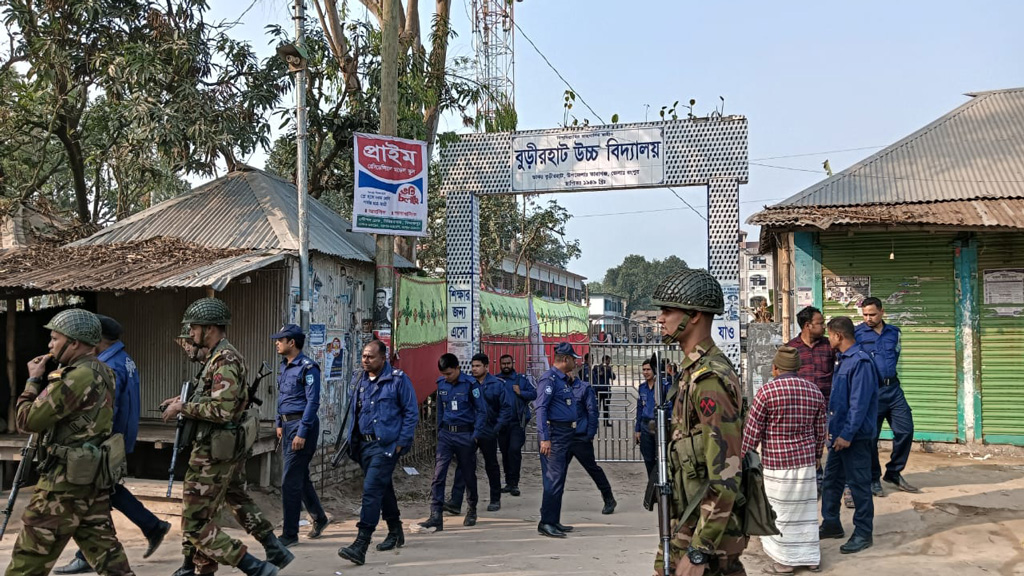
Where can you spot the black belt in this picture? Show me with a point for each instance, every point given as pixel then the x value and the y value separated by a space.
pixel 370 438
pixel 894 381
pixel 463 428
pixel 291 417
pixel 556 424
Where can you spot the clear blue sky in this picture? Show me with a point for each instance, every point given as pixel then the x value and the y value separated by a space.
pixel 809 76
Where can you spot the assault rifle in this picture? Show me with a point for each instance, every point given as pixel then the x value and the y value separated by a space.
pixel 253 399
pixel 182 432
pixel 664 486
pixel 19 479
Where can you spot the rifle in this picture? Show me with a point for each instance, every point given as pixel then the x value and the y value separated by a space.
pixel 664 487
pixel 253 399
pixel 182 431
pixel 19 479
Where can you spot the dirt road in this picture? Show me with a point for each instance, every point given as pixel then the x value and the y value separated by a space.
pixel 969 520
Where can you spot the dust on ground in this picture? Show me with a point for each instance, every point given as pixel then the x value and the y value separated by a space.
pixel 969 520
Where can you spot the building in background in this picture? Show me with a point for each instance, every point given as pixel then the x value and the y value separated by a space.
pixel 608 317
pixel 547 281
pixel 757 279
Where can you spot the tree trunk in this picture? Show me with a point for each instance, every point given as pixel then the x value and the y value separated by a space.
pixel 71 140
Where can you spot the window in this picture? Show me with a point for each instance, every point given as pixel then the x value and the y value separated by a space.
pixel 758 263
pixel 758 280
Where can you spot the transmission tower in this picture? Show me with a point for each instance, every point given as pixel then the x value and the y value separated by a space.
pixel 494 43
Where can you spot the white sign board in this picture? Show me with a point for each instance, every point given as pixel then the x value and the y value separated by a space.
pixel 390 187
pixel 597 158
pixel 1004 286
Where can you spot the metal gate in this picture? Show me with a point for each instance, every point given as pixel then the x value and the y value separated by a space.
pixel 617 409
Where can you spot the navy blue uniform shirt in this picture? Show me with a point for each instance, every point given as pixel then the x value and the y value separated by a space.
pixel 127 395
pixel 527 394
pixel 853 404
pixel 883 348
pixel 461 404
pixel 554 401
pixel 586 409
pixel 385 407
pixel 298 384
pixel 645 405
pixel 500 405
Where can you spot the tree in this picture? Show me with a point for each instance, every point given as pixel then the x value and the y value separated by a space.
pixel 122 97
pixel 636 278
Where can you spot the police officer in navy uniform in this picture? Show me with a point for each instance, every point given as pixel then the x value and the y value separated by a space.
pixel 500 411
pixel 298 429
pixel 512 439
pixel 582 447
pixel 461 418
pixel 646 402
pixel 381 423
pixel 556 428
pixel 882 341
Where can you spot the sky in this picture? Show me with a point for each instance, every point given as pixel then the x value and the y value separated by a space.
pixel 816 81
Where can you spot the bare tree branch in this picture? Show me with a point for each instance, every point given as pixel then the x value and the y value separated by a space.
pixel 375 8
pixel 331 24
pixel 410 34
pixel 435 71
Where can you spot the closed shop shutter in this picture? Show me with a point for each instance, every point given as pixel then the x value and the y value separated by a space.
pixel 918 293
pixel 1001 322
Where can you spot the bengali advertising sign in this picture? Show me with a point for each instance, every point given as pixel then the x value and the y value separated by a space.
pixel 390 187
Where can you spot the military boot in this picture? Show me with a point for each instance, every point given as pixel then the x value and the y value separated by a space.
pixel 188 568
pixel 470 517
pixel 609 504
pixel 253 566
pixel 356 552
pixel 277 553
pixel 435 521
pixel 396 537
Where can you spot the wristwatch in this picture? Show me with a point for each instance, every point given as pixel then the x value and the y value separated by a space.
pixel 37 380
pixel 697 556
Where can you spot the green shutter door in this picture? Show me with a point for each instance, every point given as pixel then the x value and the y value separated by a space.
pixel 1002 341
pixel 918 292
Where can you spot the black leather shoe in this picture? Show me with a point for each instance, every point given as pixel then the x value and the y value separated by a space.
pixel 470 519
pixel 76 566
pixel 564 528
pixel 514 491
pixel 876 489
pixel 451 508
pixel 288 541
pixel 855 544
pixel 156 539
pixel 609 505
pixel 549 531
pixel 902 484
pixel 494 506
pixel 506 489
pixel 318 528
pixel 825 532
pixel 435 521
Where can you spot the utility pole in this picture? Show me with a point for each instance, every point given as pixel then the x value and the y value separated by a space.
pixel 385 257
pixel 301 178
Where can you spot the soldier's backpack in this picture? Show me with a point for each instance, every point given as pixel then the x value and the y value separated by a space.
pixel 758 518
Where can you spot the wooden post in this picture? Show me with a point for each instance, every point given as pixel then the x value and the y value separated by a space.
pixel 391 11
pixel 12 369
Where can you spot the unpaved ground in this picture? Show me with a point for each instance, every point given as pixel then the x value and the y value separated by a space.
pixel 969 520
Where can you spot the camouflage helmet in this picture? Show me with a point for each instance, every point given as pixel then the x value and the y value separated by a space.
pixel 690 289
pixel 184 332
pixel 207 312
pixel 77 324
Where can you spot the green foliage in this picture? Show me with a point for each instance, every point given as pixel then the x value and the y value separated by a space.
pixel 636 278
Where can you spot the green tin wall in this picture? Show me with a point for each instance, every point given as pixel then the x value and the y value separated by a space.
pixel 1002 345
pixel 918 290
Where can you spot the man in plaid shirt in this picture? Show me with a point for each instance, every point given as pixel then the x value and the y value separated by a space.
pixel 788 420
pixel 817 359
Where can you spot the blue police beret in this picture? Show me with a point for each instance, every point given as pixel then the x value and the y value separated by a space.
pixel 565 349
pixel 288 331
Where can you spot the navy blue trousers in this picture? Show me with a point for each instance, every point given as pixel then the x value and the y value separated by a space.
pixel 378 488
pixel 296 486
pixel 489 450
pixel 582 450
pixel 850 467
pixel 461 447
pixel 893 407
pixel 649 450
pixel 126 503
pixel 553 469
pixel 511 441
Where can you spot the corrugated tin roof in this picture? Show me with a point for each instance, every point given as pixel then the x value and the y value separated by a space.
pixel 980 213
pixel 975 151
pixel 144 265
pixel 247 209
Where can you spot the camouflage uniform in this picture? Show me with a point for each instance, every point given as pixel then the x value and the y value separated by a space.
pixel 218 403
pixel 705 463
pixel 75 408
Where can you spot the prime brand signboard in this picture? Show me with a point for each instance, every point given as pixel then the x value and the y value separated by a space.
pixel 390 187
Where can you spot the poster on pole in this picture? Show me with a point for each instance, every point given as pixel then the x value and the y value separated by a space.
pixel 391 186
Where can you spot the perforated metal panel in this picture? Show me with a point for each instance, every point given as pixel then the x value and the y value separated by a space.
pixel 695 152
pixel 708 152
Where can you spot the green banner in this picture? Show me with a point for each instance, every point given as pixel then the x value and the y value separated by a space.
pixel 421 314
pixel 561 318
pixel 504 315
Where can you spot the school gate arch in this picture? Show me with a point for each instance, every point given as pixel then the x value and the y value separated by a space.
pixel 710 152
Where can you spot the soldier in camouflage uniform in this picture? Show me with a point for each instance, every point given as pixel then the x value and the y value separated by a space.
pixel 245 510
pixel 706 432
pixel 218 407
pixel 73 407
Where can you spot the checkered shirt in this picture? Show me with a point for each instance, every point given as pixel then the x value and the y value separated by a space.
pixel 787 419
pixel 816 363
